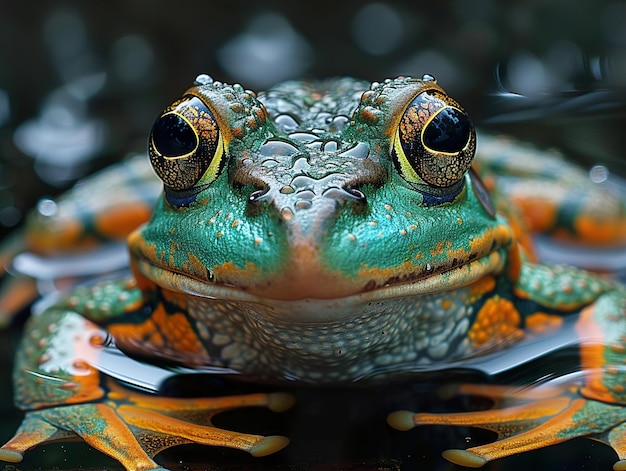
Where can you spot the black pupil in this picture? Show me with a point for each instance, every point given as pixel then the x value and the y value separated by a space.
pixel 449 131
pixel 172 136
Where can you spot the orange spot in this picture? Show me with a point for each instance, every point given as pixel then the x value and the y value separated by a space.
pixel 163 334
pixel 538 214
pixel 438 250
pixel 229 272
pixel 483 286
pixel 367 115
pixel 175 297
pixel 515 262
pixel 58 236
pixel 497 321
pixel 541 323
pixel 600 232
pixel 197 268
pixel 499 236
pixel 117 224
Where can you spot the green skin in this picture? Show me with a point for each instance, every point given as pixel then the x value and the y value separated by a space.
pixel 339 240
pixel 345 236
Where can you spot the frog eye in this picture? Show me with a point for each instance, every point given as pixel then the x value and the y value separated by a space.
pixel 186 145
pixel 435 141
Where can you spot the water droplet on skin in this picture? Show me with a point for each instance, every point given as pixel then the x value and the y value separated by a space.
pixel 203 79
pixel 361 150
pixel 286 123
pixel 47 207
pixel 275 148
pixel 330 146
pixel 339 123
pixel 286 214
pixel 599 174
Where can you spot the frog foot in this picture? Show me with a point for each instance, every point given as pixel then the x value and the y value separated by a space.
pixel 527 419
pixel 133 427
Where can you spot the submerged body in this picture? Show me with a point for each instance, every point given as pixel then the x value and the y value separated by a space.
pixel 320 233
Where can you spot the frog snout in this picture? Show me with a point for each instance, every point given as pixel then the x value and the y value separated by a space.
pixel 307 213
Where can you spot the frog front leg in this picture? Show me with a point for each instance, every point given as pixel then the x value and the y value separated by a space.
pixel 65 396
pixel 589 404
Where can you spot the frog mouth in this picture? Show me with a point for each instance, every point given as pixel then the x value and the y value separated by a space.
pixel 314 310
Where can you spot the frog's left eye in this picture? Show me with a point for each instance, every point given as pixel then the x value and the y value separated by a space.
pixel 186 145
pixel 435 141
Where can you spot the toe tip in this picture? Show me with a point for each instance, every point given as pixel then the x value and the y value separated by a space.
pixel 401 420
pixel 620 465
pixel 464 458
pixel 10 456
pixel 269 445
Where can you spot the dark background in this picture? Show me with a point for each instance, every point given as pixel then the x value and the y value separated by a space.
pixel 81 83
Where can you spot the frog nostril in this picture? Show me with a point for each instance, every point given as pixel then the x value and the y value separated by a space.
pixel 343 195
pixel 356 194
pixel 258 196
pixel 257 200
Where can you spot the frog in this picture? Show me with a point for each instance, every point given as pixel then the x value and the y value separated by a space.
pixel 320 233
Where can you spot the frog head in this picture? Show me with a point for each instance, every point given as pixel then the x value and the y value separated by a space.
pixel 316 200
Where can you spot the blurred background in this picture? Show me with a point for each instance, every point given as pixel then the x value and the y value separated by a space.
pixel 81 82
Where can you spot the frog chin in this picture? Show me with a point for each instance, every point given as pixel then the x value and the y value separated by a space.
pixel 312 309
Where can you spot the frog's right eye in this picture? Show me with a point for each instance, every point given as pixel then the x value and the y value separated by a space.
pixel 186 145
